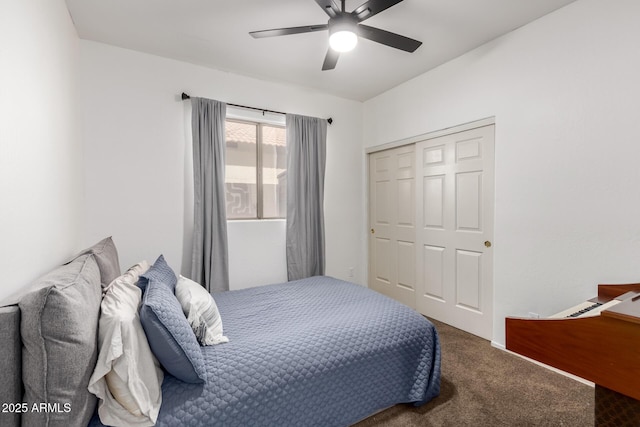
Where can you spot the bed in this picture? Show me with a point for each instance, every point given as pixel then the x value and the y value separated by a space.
pixel 318 351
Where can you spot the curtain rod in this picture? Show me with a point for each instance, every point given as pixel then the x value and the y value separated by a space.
pixel 186 96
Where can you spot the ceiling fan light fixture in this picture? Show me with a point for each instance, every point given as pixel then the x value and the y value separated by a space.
pixel 343 33
pixel 343 40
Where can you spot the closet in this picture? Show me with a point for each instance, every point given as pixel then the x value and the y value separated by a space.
pixel 431 205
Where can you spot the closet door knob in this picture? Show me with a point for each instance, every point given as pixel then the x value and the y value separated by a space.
pixel 373 231
pixel 487 243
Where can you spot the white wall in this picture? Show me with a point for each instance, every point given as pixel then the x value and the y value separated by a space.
pixel 40 148
pixel 137 136
pixel 257 253
pixel 564 91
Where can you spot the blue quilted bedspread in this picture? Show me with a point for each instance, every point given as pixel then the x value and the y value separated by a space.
pixel 317 351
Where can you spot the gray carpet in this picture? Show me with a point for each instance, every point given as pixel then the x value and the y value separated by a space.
pixel 484 386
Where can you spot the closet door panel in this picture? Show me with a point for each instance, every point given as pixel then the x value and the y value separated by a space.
pixel 454 179
pixel 392 215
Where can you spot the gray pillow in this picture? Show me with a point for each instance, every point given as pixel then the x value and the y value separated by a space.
pixel 106 256
pixel 59 329
pixel 11 375
pixel 170 337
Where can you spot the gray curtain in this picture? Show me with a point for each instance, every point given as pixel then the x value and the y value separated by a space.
pixel 209 264
pixel 306 159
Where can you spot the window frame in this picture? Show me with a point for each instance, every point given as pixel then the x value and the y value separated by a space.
pixel 259 166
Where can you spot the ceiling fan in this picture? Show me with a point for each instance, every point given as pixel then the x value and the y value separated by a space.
pixel 345 28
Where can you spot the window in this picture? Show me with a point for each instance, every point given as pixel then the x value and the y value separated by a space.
pixel 256 175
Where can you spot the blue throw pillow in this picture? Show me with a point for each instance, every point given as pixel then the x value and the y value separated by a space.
pixel 170 337
pixel 161 272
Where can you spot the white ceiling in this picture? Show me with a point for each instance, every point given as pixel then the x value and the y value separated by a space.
pixel 214 33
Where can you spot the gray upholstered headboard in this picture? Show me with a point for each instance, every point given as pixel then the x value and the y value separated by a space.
pixel 10 365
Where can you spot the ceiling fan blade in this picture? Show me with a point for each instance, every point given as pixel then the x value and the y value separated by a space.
pixel 287 31
pixel 372 7
pixel 329 7
pixel 387 38
pixel 330 60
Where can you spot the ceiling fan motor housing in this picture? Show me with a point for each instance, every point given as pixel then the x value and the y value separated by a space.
pixel 343 22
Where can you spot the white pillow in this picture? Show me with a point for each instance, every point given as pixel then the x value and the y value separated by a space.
pixel 201 311
pixel 127 378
